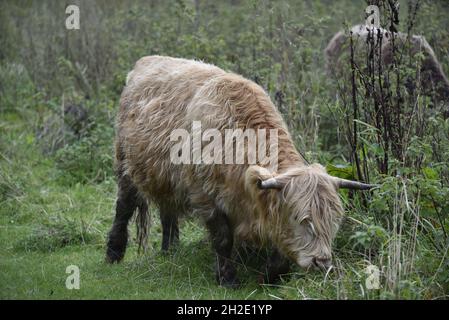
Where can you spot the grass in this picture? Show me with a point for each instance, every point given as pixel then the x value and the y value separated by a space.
pixel 47 224
pixel 46 227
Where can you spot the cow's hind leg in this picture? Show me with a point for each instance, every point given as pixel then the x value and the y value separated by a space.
pixel 222 241
pixel 128 199
pixel 170 229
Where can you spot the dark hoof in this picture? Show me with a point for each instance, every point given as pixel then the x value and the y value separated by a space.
pixel 166 248
pixel 114 256
pixel 228 278
pixel 167 252
pixel 230 284
pixel 272 278
pixel 266 279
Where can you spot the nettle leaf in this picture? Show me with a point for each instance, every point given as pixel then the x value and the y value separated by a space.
pixel 341 171
pixel 430 173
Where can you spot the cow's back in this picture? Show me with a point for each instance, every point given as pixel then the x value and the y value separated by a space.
pixel 153 104
pixel 159 76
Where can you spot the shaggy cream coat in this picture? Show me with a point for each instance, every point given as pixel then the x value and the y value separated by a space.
pixel 162 94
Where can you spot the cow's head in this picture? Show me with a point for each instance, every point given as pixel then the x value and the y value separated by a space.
pixel 304 210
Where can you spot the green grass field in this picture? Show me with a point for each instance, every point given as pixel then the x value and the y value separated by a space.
pixel 47 225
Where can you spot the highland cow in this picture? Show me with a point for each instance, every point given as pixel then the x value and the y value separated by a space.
pixel 295 208
pixel 432 78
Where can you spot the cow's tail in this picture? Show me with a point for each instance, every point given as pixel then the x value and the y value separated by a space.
pixel 143 223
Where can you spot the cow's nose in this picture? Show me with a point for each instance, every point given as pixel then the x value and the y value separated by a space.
pixel 322 262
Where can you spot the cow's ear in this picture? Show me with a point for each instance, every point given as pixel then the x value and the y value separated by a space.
pixel 260 178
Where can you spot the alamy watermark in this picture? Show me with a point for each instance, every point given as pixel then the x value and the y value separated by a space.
pixel 73 280
pixel 373 18
pixel 72 22
pixel 238 146
pixel 372 281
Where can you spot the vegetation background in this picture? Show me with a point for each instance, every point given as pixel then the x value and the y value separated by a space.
pixel 57 188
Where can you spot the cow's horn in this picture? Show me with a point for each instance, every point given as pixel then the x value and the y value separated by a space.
pixel 348 184
pixel 270 183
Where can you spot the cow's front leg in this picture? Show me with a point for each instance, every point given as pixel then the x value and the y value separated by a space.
pixel 222 241
pixel 277 265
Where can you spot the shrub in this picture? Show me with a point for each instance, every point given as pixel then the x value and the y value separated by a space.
pixel 57 233
pixel 89 159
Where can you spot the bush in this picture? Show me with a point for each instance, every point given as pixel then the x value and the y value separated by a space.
pixel 57 233
pixel 17 90
pixel 88 160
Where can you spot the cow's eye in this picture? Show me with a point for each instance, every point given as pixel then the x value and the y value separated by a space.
pixel 303 219
pixel 311 227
